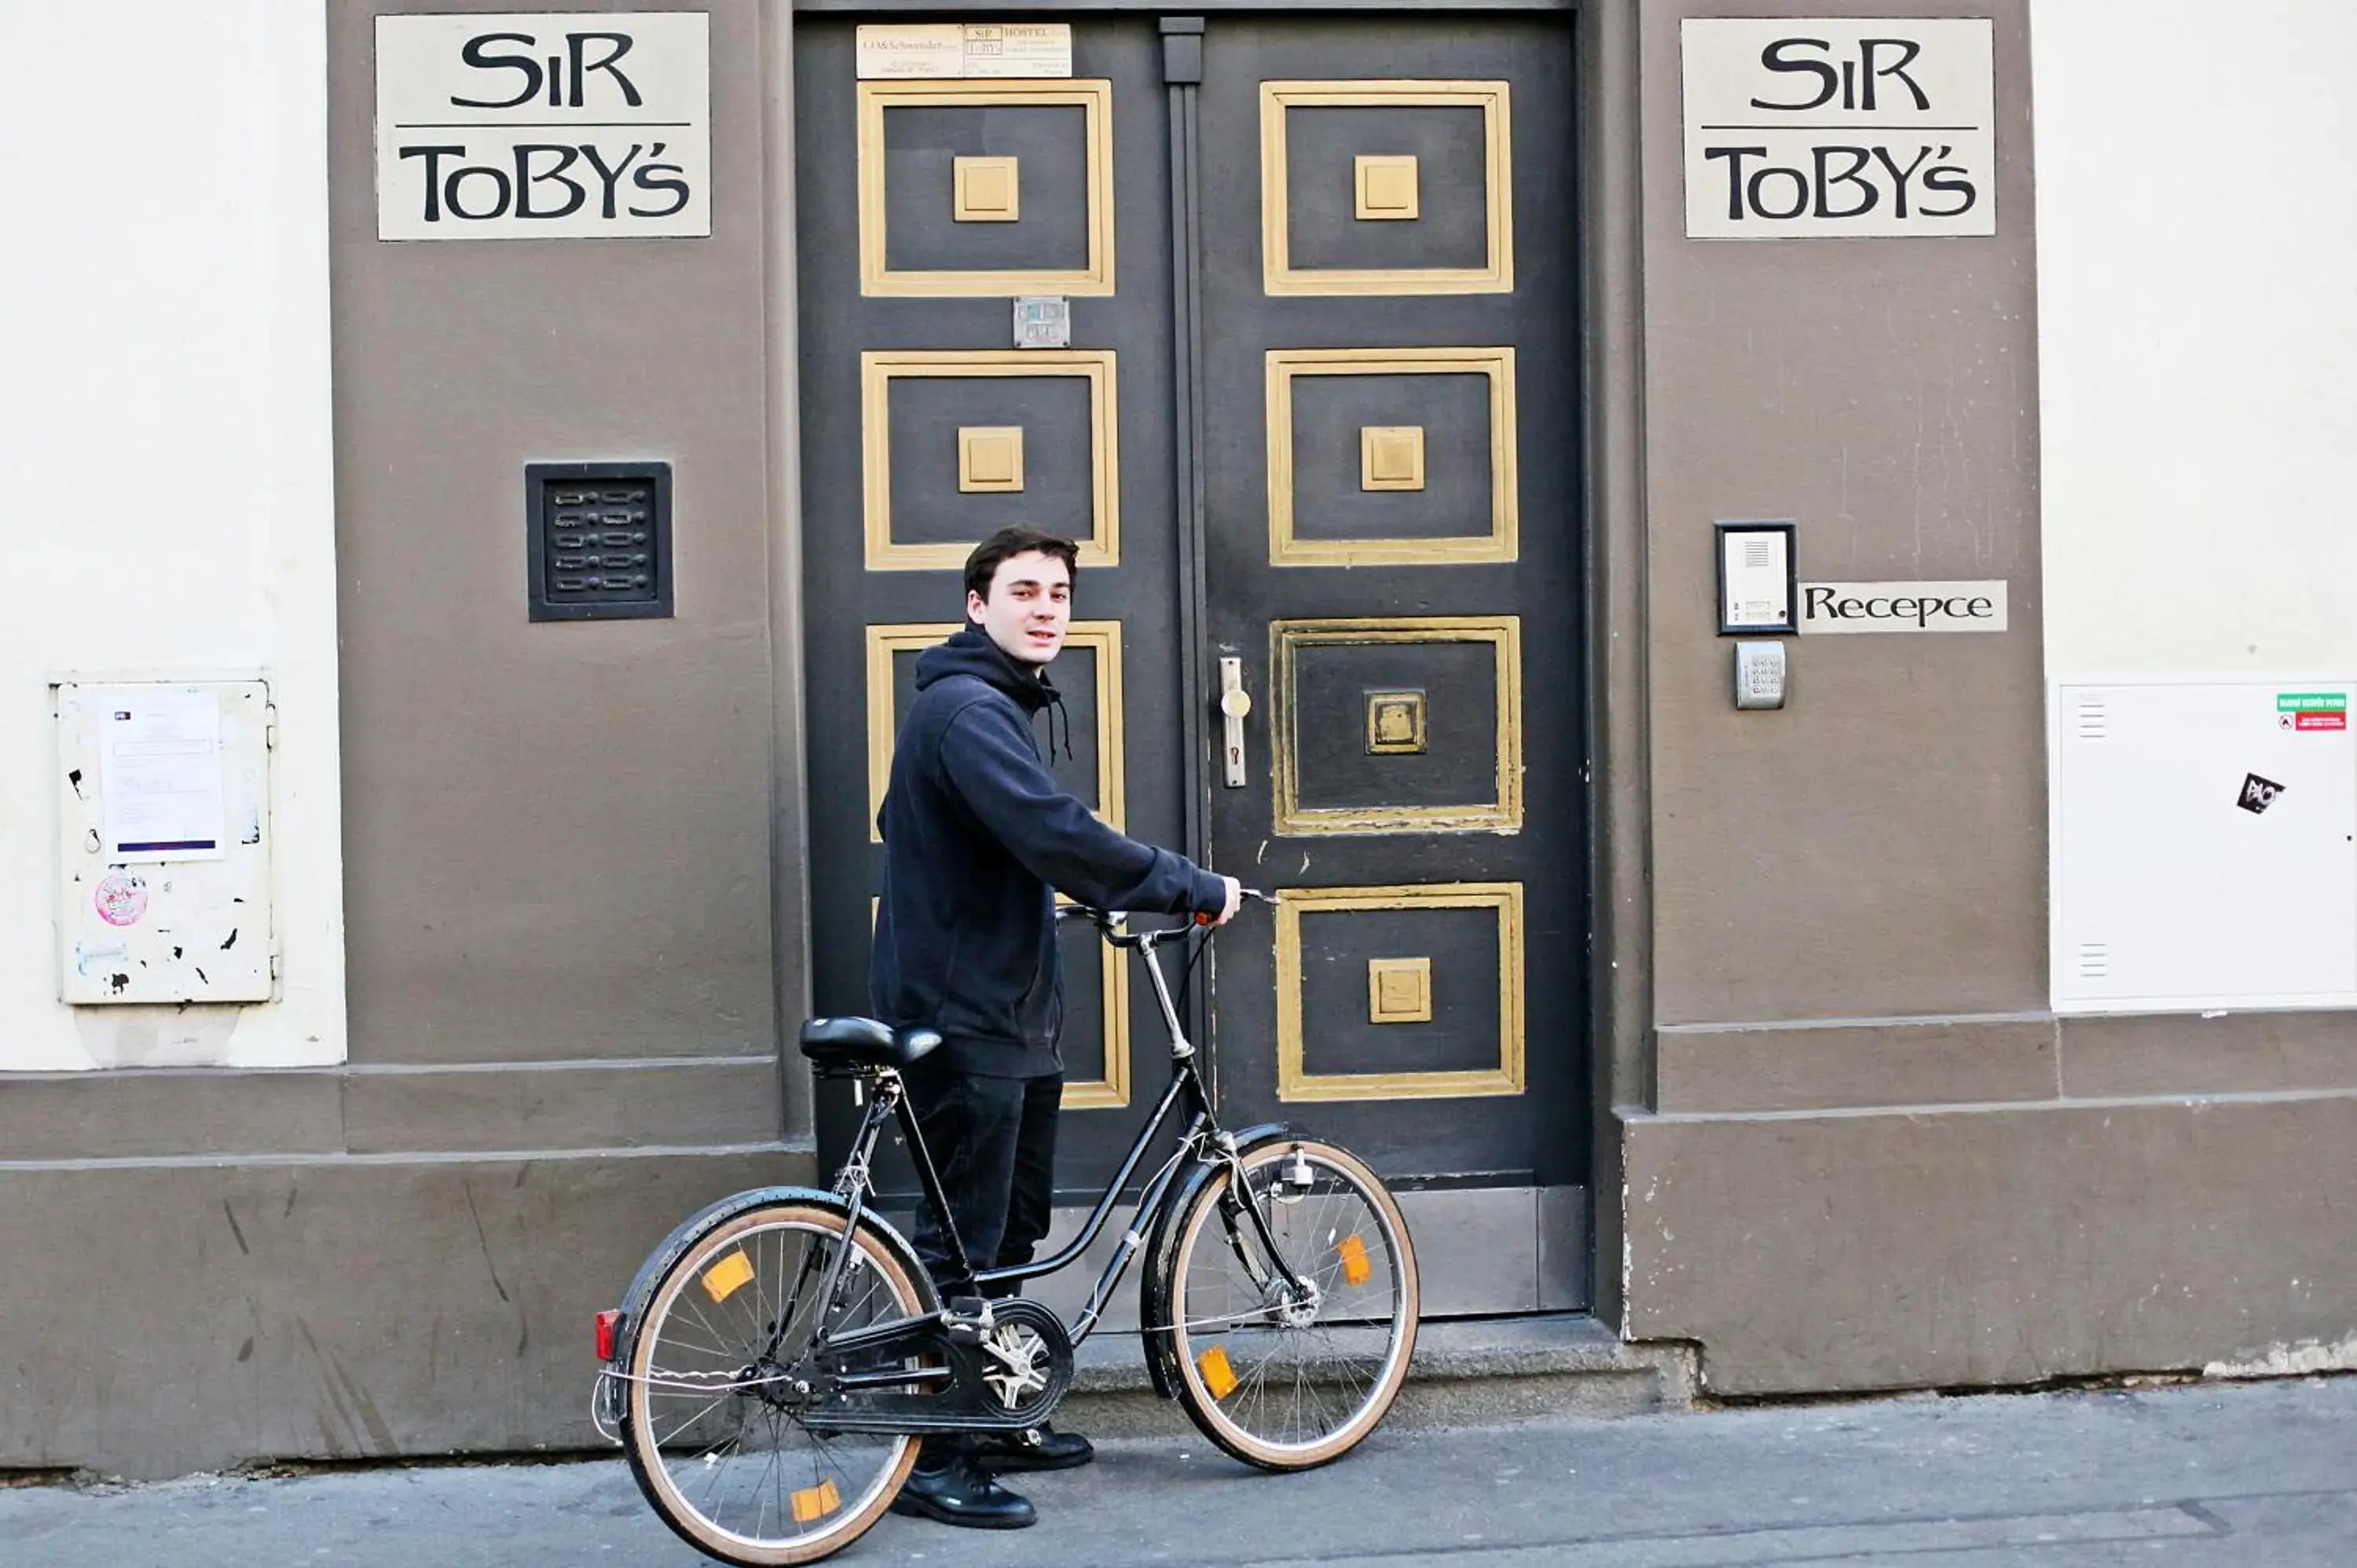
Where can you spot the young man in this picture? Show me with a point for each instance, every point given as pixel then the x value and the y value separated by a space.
pixel 978 838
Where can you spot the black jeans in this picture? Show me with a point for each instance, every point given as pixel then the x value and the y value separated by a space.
pixel 993 1142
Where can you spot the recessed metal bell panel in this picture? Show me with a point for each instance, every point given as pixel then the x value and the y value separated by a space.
pixel 599 537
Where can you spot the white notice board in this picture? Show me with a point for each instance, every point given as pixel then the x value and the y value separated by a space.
pixel 163 842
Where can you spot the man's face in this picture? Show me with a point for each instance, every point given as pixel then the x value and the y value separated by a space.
pixel 1030 607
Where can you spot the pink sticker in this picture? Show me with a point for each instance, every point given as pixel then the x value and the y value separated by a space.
pixel 122 898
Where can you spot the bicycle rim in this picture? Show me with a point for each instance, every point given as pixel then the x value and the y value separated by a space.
pixel 1276 1380
pixel 741 1476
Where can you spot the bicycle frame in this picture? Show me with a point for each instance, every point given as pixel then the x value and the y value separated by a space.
pixel 1201 1140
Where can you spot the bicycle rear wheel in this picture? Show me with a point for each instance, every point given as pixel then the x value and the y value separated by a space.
pixel 1279 1377
pixel 731 1463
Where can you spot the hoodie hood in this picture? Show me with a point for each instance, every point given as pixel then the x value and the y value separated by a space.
pixel 970 652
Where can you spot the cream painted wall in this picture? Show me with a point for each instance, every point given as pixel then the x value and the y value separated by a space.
pixel 168 446
pixel 2197 401
pixel 2197 336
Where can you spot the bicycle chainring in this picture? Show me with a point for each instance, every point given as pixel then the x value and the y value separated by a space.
pixel 1026 1359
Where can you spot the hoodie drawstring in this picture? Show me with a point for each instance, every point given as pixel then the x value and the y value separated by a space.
pixel 1056 711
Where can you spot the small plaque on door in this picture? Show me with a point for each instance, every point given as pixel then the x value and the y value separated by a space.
pixel 1394 723
pixel 1043 321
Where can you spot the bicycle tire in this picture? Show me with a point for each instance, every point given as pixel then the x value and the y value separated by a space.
pixel 1371 1290
pixel 682 1448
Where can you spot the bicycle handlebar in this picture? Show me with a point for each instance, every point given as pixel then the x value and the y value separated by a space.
pixel 1109 920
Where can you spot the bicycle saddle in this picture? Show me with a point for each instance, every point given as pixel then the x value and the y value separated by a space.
pixel 864 1042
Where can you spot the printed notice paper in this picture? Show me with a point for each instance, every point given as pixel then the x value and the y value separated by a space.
pixel 914 51
pixel 160 775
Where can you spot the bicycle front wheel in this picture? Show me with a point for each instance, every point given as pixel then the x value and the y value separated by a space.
pixel 1291 1372
pixel 721 1448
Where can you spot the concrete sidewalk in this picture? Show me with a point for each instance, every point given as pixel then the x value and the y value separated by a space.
pixel 2251 1476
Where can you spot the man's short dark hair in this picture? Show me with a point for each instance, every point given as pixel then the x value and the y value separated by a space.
pixel 1008 542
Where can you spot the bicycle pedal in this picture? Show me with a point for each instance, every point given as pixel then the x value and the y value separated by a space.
pixel 968 1318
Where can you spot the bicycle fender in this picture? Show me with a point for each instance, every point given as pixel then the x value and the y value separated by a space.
pixel 693 1228
pixel 1161 1341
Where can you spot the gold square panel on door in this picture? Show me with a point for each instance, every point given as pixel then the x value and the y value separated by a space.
pixel 1465 1003
pixel 1352 457
pixel 1102 640
pixel 1335 769
pixel 986 190
pixel 981 191
pixel 1099 494
pixel 1388 185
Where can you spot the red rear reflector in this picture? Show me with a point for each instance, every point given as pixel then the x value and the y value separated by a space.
pixel 609 1328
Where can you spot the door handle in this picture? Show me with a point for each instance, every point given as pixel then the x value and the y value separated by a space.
pixel 1235 704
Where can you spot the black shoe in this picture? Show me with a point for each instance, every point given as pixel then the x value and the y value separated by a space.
pixel 1041 1448
pixel 959 1493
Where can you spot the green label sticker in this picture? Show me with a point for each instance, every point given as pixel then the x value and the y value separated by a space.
pixel 2311 711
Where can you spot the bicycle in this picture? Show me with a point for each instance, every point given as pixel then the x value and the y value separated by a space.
pixel 770 1383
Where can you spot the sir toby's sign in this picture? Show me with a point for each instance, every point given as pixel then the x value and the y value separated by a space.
pixel 1829 126
pixel 543 125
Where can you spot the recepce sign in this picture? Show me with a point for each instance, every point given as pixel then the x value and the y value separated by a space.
pixel 1848 608
pixel 543 125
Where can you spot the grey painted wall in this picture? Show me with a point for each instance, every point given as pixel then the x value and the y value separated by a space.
pixel 1878 846
pixel 1866 1155
pixel 557 836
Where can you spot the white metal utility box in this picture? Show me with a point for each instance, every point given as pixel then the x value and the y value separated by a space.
pixel 2205 846
pixel 164 881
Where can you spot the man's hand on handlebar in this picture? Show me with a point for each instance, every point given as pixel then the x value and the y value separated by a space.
pixel 1237 894
pixel 1235 900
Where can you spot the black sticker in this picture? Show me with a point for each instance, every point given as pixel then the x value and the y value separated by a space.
pixel 2258 793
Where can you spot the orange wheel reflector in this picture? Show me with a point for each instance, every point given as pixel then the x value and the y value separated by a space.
pixel 1218 1376
pixel 1356 1266
pixel 815 1502
pixel 727 1277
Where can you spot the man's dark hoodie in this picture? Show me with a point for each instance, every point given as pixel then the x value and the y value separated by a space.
pixel 976 834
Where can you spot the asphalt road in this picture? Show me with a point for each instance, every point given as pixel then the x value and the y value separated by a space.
pixel 2235 1476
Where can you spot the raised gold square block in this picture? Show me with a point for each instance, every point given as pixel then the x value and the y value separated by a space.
pixel 1386 186
pixel 1394 723
pixel 1391 456
pixel 990 457
pixel 984 190
pixel 1399 991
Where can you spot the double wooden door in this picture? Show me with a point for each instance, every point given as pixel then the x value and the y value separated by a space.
pixel 1316 427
